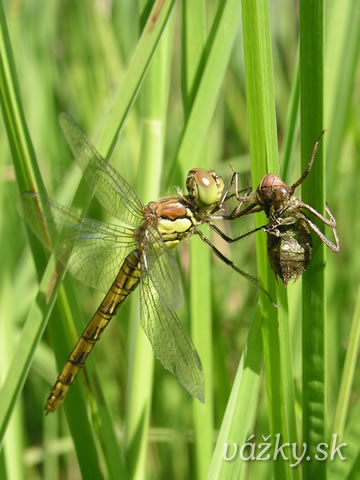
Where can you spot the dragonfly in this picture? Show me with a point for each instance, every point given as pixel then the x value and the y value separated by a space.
pixel 135 251
pixel 289 228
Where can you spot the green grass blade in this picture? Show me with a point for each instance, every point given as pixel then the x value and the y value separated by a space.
pixel 28 178
pixel 138 65
pixel 343 402
pixel 218 48
pixel 292 129
pixel 313 193
pixel 154 100
pixel 201 328
pixel 135 74
pixel 348 466
pixel 193 42
pixel 264 158
pixel 61 68
pixel 238 422
pixel 287 295
pixel 27 172
pixel 13 446
pixel 19 368
pixel 342 54
pixel 22 150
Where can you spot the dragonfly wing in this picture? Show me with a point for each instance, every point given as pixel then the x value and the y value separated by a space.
pixel 110 188
pixel 93 251
pixel 171 344
pixel 163 268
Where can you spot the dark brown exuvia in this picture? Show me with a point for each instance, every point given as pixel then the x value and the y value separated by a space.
pixel 289 228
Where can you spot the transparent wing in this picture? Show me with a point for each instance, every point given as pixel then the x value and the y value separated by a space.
pixel 171 344
pixel 110 188
pixel 92 250
pixel 163 267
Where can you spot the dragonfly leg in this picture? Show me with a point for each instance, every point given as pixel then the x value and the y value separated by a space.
pixel 230 239
pixel 335 247
pixel 233 266
pixel 252 208
pixel 308 168
pixel 330 222
pixel 240 198
pixel 225 196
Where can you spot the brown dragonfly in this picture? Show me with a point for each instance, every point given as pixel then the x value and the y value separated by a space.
pixel 137 250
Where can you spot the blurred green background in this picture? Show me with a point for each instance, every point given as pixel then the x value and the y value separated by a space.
pixel 73 57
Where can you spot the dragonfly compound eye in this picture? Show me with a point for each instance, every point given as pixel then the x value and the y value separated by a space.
pixel 281 193
pixel 203 187
pixel 219 185
pixel 207 188
pixel 272 189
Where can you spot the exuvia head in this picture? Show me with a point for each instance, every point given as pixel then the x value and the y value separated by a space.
pixel 205 188
pixel 272 190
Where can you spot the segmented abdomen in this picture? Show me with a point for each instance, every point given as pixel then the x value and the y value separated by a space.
pixel 125 282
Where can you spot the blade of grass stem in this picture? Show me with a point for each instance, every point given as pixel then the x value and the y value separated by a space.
pixel 28 178
pixel 137 69
pixel 342 54
pixel 292 128
pixel 347 468
pixel 193 42
pixel 264 158
pixel 13 442
pixel 138 65
pixel 217 54
pixel 50 460
pixel 352 350
pixel 20 366
pixel 286 164
pixel 201 328
pixel 238 421
pixel 313 193
pixel 23 154
pixel 154 100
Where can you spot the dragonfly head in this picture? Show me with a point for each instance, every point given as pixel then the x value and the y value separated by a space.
pixel 272 191
pixel 205 188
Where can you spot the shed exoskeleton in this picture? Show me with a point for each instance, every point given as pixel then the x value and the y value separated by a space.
pixel 289 228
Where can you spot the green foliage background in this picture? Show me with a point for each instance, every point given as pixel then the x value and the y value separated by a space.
pixel 224 80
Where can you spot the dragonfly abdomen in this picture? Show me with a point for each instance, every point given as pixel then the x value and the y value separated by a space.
pixel 290 250
pixel 125 282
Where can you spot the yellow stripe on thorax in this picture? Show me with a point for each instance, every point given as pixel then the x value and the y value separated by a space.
pixel 173 231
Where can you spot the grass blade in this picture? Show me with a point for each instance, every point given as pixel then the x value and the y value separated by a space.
pixel 154 100
pixel 342 54
pixel 138 65
pixel 29 178
pixel 218 50
pixel 313 193
pixel 264 158
pixel 136 72
pixel 238 422
pixel 193 43
pixel 343 402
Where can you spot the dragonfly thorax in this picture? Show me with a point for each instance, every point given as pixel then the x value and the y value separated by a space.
pixel 173 219
pixel 205 188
